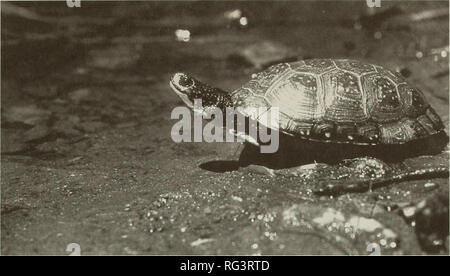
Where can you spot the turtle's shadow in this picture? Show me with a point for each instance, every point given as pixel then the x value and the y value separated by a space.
pixel 294 152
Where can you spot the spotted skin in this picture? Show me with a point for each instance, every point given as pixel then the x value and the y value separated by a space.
pixel 209 95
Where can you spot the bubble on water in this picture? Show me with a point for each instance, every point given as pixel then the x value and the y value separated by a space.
pixel 183 35
pixel 419 54
pixel 233 14
pixel 378 35
pixel 444 53
pixel 429 185
pixel 255 246
pixel 243 21
pixel 437 242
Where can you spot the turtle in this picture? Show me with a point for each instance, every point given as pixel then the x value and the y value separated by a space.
pixel 338 101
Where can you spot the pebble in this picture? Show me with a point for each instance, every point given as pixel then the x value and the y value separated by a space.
pixel 409 211
pixel 200 242
pixel 207 210
pixel 236 198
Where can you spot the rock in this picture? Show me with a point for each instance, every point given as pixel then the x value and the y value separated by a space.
pixel 58 146
pixel 28 114
pixel 259 170
pixel 67 126
pixel 37 132
pixel 79 95
pixel 431 220
pixel 12 141
pixel 91 127
pixel 42 91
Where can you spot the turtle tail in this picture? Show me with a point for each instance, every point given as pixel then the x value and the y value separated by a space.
pixel 428 168
pixel 335 189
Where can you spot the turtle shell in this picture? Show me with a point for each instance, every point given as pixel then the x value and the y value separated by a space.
pixel 339 100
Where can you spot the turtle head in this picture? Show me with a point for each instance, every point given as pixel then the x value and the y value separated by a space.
pixel 189 89
pixel 185 87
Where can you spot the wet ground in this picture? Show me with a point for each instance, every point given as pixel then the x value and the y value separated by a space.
pixel 87 156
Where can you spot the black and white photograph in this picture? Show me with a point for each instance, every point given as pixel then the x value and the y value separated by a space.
pixel 244 130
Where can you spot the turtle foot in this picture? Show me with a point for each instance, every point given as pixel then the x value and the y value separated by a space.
pixel 258 169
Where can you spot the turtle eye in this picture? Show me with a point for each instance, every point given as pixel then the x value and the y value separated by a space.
pixel 186 81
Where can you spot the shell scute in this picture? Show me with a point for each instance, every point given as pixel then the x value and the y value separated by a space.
pixel 354 66
pixel 346 132
pixel 343 97
pixel 435 119
pixel 296 97
pixel 324 130
pixel 313 66
pixel 369 132
pixel 426 123
pixel 342 101
pixel 383 100
pixel 393 75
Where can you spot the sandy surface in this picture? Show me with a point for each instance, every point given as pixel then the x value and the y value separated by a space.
pixel 87 156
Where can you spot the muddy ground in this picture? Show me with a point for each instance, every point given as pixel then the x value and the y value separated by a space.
pixel 87 155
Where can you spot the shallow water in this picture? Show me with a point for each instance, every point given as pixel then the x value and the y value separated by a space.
pixel 87 155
